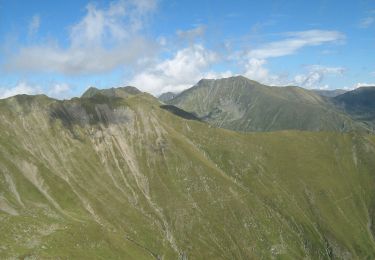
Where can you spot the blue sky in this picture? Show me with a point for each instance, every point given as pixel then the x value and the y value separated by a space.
pixel 60 48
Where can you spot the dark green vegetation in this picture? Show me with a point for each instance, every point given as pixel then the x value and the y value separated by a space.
pixel 238 103
pixel 106 177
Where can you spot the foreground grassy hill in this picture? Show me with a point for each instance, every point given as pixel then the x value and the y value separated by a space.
pixel 241 104
pixel 106 177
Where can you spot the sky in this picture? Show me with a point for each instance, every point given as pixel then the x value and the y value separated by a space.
pixel 60 48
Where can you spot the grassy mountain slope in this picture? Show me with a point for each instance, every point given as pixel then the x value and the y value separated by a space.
pixel 359 103
pixel 238 103
pixel 108 177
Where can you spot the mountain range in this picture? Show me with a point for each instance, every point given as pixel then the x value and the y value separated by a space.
pixel 330 93
pixel 240 104
pixel 117 174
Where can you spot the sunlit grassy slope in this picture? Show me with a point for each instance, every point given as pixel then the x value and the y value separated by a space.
pixel 120 178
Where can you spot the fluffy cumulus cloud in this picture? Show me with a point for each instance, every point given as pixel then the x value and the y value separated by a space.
pixel 255 69
pixel 191 64
pixel 74 61
pixel 101 41
pixel 181 71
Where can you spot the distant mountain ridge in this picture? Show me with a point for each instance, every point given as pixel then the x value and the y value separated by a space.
pixel 167 96
pixel 329 93
pixel 238 103
pixel 111 92
pixel 359 103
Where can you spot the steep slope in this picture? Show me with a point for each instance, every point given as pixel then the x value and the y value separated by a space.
pixel 120 178
pixel 359 103
pixel 238 103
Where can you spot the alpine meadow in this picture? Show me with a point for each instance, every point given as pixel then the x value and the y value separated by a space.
pixel 158 129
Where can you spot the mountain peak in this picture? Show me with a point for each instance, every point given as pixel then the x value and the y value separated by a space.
pixel 229 81
pixel 239 103
pixel 122 92
pixel 236 77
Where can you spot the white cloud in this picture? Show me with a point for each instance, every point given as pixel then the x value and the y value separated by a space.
pixel 254 69
pixel 34 25
pixel 72 61
pixel 315 76
pixel 188 66
pixel 118 22
pixel 254 61
pixel 358 85
pixel 20 88
pixel 59 90
pixel 191 64
pixel 366 22
pixel 218 75
pixel 103 40
pixel 294 42
pixel 56 90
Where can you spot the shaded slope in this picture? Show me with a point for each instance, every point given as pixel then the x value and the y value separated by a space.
pixel 179 112
pixel 359 103
pixel 238 103
pixel 122 178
